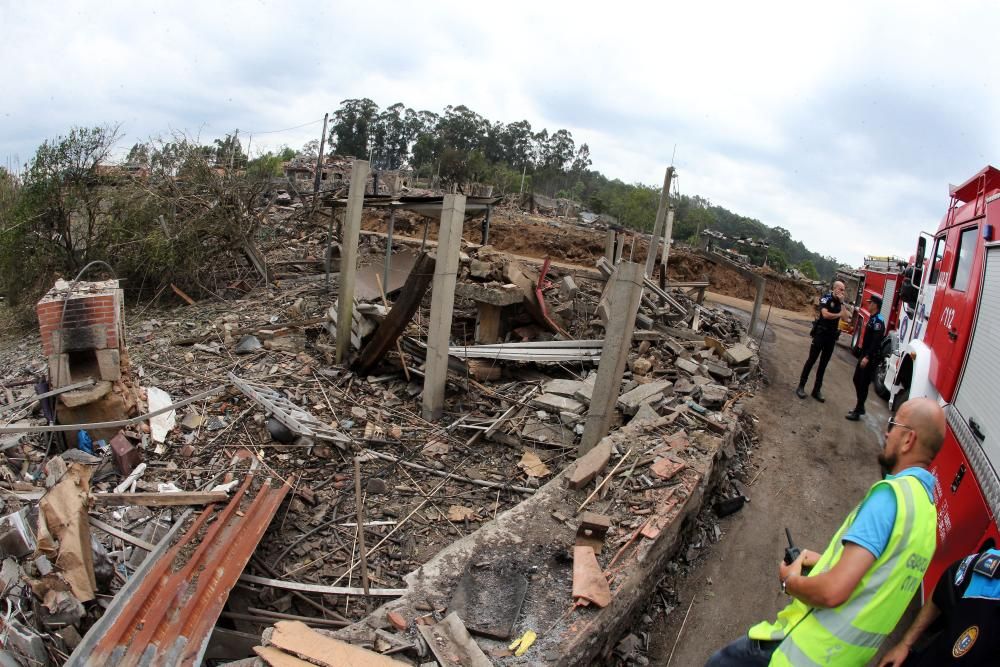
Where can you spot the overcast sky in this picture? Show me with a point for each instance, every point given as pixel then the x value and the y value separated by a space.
pixel 843 123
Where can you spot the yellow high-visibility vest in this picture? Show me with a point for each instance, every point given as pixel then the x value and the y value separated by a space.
pixel 852 633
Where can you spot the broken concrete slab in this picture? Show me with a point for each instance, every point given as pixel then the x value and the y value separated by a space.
pixel 718 370
pixel 683 386
pixel 629 402
pixel 713 396
pixel 80 397
pixel 586 392
pixel 646 411
pixel 505 295
pixel 563 387
pixel 738 354
pixel 686 365
pixel 556 404
pixel 590 464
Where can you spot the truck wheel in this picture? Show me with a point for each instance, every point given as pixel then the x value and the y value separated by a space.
pixel 902 397
pixel 878 379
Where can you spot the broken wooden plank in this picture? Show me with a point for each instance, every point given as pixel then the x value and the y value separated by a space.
pixel 168 499
pixel 179 292
pixel 298 638
pixel 318 588
pixel 276 658
pixel 399 317
pixel 452 644
pixel 121 534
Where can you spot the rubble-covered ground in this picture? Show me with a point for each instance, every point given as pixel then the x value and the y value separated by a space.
pixel 425 485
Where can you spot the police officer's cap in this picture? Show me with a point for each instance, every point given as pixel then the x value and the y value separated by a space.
pixel 876 299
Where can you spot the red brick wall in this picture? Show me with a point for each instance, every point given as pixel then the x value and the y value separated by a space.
pixel 86 321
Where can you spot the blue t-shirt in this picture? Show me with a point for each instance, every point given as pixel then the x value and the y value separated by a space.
pixel 873 524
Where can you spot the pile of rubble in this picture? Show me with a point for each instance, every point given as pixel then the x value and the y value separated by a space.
pixel 176 482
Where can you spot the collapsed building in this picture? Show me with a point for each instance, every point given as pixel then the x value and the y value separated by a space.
pixel 486 464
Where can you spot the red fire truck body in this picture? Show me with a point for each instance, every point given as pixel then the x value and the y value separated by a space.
pixel 948 348
pixel 881 276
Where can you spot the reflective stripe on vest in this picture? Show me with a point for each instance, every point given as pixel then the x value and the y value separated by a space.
pixel 851 633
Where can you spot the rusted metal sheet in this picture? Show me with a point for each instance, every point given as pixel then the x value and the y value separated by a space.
pixel 166 615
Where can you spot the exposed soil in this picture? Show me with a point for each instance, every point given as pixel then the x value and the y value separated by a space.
pixel 817 466
pixel 519 233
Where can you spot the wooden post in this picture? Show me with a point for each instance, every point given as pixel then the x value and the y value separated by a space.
pixel 349 257
pixel 388 246
pixel 402 312
pixel 486 225
pixel 661 214
pixel 442 304
pixel 625 294
pixel 319 160
pixel 488 326
pixel 360 513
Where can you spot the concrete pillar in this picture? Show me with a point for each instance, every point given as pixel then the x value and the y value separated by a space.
pixel 625 294
pixel 661 214
pixel 442 304
pixel 619 247
pixel 760 283
pixel 668 232
pixel 349 257
pixel 609 246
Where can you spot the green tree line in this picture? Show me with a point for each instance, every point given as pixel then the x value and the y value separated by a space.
pixel 459 145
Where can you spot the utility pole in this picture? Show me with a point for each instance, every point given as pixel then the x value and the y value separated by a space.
pixel 319 158
pixel 661 215
pixel 232 148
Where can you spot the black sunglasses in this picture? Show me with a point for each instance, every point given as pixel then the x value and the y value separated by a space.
pixel 892 422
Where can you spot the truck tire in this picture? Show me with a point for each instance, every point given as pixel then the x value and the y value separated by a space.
pixel 878 379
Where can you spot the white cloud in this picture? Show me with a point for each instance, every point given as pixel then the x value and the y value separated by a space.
pixel 842 123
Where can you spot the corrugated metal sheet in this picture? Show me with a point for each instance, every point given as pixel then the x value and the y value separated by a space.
pixel 165 615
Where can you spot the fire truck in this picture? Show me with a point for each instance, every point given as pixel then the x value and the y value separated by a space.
pixel 882 276
pixel 946 348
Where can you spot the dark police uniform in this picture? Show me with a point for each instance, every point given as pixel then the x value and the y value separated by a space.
pixel 824 339
pixel 871 349
pixel 968 597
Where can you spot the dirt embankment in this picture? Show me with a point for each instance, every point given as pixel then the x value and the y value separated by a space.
pixel 536 236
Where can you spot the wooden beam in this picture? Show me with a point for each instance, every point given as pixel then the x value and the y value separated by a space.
pixel 488 324
pixel 399 317
pixel 349 257
pixel 160 499
pixel 442 305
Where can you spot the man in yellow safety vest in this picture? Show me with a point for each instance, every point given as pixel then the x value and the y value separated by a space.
pixel 855 592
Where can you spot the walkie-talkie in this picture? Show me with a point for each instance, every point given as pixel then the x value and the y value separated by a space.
pixel 791 552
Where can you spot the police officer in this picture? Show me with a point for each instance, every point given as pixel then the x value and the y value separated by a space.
pixel 966 608
pixel 824 334
pixel 871 347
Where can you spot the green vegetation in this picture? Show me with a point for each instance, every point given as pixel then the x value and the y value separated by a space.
pixel 460 146
pixel 177 210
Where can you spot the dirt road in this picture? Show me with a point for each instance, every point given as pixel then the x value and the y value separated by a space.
pixel 818 466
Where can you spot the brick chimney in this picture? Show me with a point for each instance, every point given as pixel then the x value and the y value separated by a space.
pixel 82 331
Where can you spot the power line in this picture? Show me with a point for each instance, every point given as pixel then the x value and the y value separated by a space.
pixel 287 129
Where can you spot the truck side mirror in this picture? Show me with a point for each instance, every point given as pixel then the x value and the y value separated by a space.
pixel 921 251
